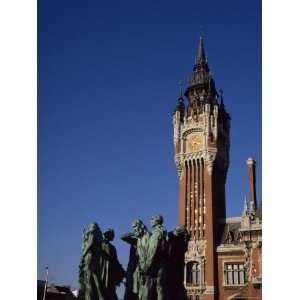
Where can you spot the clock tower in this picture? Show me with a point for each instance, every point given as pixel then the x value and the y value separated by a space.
pixel 201 143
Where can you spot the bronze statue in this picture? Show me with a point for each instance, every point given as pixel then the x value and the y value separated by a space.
pixel 81 268
pixel 111 270
pixel 132 266
pixel 155 268
pixel 177 246
pixel 156 263
pixel 142 282
pixel 91 287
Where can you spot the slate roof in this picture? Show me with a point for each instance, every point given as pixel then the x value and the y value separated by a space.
pixel 233 225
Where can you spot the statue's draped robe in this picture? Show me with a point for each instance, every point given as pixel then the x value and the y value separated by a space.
pixel 142 283
pixel 132 268
pixel 177 246
pixel 156 263
pixel 111 271
pixel 93 288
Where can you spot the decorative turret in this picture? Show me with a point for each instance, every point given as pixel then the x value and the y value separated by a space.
pixel 180 107
pixel 224 115
pixel 245 208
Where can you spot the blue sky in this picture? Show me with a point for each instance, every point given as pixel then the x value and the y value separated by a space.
pixel 107 87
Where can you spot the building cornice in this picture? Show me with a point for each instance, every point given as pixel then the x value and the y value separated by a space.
pixel 231 249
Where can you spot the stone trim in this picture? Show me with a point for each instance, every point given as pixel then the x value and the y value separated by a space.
pixel 210 289
pixel 230 249
pixel 233 220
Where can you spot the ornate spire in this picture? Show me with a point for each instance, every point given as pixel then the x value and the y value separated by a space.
pixel 245 209
pixel 201 79
pixel 223 113
pixel 201 52
pixel 201 58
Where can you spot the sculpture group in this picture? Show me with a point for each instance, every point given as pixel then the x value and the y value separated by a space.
pixel 155 268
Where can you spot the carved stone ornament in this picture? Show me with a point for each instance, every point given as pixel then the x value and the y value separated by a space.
pixel 176 135
pixel 188 131
pixel 209 159
pixel 210 167
pixel 195 250
pixel 192 124
pixel 247 262
pixel 193 155
pixel 179 167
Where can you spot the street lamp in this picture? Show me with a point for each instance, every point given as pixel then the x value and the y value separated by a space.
pixel 46 284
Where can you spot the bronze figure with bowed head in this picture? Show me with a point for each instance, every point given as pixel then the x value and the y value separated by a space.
pixel 111 270
pixel 177 246
pixel 91 287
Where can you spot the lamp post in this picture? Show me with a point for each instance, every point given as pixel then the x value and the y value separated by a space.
pixel 46 284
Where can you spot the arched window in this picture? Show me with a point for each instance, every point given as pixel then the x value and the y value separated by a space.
pixel 193 272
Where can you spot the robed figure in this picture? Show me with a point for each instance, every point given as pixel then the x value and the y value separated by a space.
pixel 141 280
pixel 91 287
pixel 131 272
pixel 156 262
pixel 177 247
pixel 111 270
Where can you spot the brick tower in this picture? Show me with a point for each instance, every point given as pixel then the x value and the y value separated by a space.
pixel 201 142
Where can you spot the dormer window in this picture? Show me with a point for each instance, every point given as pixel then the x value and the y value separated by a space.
pixel 229 238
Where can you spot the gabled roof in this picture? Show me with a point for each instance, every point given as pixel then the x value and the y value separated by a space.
pixel 232 225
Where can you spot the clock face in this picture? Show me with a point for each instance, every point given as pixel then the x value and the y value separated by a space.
pixel 194 142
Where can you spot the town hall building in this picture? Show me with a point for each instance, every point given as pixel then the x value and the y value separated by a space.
pixel 223 260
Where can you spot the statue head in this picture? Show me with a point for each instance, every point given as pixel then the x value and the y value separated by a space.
pixel 156 220
pixel 138 227
pixel 94 229
pixel 180 230
pixel 109 234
